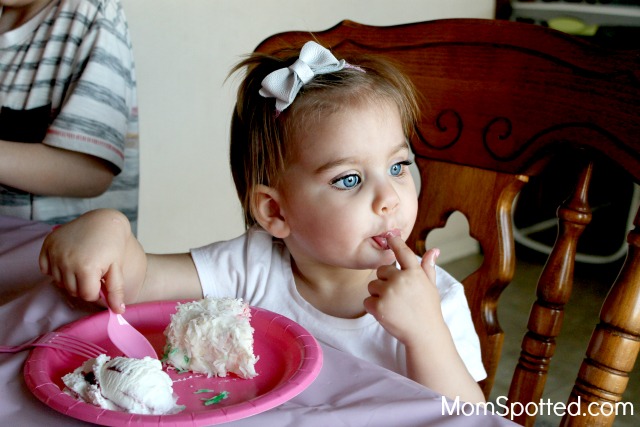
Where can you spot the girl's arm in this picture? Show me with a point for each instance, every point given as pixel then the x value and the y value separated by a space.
pixel 407 304
pixel 435 363
pixel 98 250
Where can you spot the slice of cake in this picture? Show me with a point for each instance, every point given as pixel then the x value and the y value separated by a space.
pixel 138 386
pixel 212 336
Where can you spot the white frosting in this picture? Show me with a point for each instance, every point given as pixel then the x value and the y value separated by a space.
pixel 212 336
pixel 138 386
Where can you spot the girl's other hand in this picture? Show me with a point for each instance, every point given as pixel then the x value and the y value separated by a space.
pixel 406 301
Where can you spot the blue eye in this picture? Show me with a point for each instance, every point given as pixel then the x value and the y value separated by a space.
pixel 396 169
pixel 347 182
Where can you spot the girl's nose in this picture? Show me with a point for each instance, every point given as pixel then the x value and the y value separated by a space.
pixel 386 199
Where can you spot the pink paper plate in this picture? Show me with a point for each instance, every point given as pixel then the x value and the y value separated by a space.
pixel 289 360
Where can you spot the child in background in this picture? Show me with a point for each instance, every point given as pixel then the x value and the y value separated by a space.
pixel 69 112
pixel 319 155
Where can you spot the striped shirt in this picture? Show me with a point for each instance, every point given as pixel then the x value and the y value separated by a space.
pixel 67 79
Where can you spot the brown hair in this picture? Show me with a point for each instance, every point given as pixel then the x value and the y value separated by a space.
pixel 261 140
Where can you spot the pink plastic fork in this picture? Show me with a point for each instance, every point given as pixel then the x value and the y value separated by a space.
pixel 127 338
pixel 60 341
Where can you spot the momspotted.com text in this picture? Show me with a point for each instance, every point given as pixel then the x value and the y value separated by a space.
pixel 504 408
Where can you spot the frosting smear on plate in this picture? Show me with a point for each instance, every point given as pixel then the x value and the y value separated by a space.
pixel 138 386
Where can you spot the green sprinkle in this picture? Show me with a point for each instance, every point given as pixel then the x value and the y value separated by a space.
pixel 216 399
pixel 181 371
pixel 186 359
pixel 166 353
pixel 204 390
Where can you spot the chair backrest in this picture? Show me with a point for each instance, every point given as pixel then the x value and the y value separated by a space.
pixel 502 99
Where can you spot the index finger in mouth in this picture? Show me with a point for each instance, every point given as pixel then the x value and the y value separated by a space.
pixel 404 255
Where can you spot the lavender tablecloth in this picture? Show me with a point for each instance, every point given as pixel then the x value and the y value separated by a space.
pixel 347 392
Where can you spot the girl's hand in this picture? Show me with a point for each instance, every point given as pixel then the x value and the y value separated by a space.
pixel 406 301
pixel 88 252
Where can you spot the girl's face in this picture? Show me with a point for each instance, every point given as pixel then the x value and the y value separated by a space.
pixel 347 185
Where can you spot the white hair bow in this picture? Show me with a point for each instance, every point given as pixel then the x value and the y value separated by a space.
pixel 285 83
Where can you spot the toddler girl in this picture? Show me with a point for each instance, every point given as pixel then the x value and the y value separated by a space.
pixel 319 156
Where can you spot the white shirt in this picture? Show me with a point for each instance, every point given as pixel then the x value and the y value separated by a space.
pixel 257 268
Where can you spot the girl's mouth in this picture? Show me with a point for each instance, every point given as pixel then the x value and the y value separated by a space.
pixel 381 239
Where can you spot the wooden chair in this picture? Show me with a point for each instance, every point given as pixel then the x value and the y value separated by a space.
pixel 502 99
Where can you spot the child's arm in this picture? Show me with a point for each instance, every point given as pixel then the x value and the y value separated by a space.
pixel 407 304
pixel 98 248
pixel 50 171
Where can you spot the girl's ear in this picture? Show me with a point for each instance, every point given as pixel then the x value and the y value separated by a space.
pixel 265 205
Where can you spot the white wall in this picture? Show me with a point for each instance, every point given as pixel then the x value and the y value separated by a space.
pixel 184 51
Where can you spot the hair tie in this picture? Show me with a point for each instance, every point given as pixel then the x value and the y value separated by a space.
pixel 285 83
